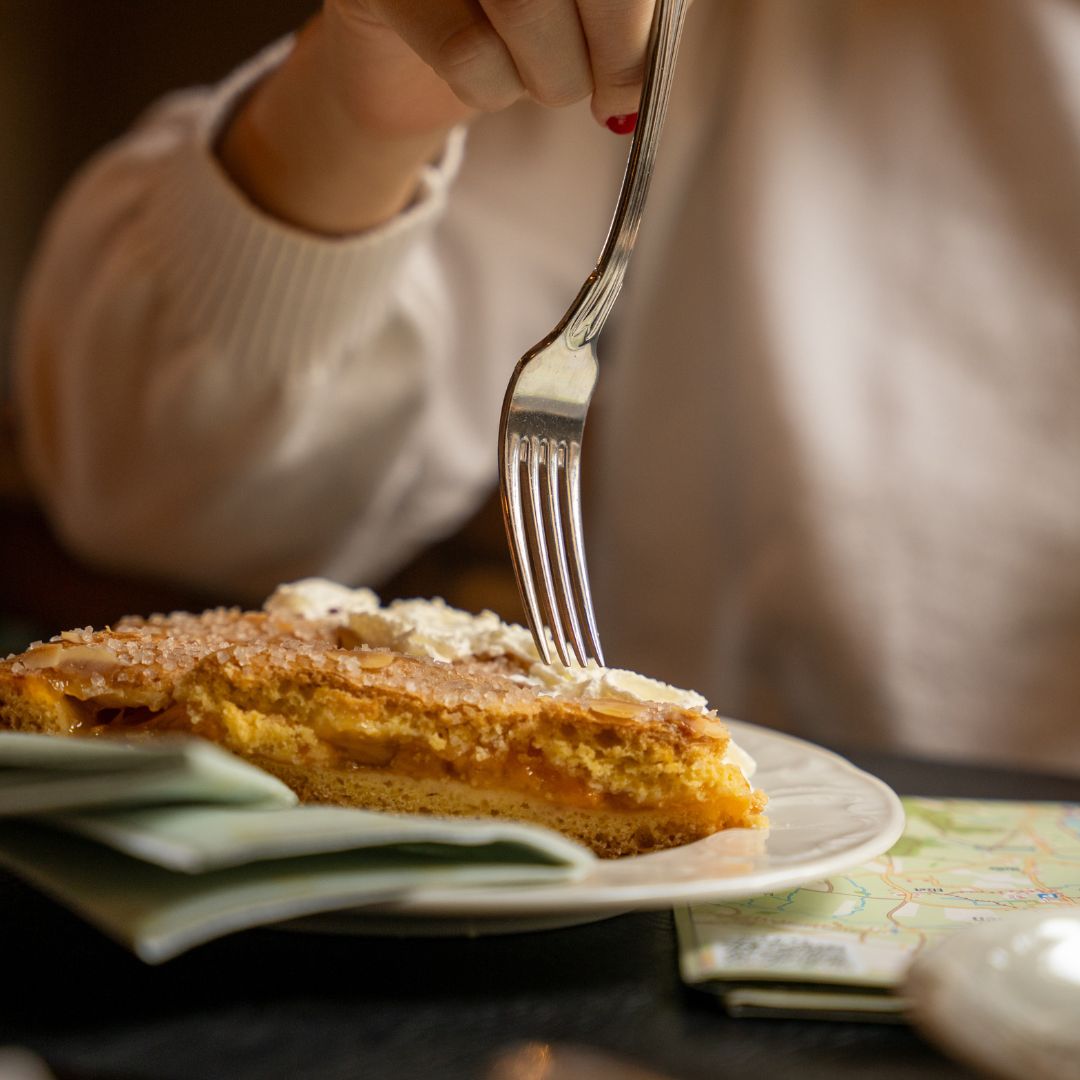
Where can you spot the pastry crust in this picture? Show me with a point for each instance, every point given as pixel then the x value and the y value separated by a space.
pixel 371 727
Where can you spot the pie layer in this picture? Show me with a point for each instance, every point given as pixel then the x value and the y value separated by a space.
pixel 344 722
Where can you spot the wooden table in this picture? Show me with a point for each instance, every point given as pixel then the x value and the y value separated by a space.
pixel 270 1003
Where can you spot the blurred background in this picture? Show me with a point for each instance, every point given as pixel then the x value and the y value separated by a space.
pixel 74 74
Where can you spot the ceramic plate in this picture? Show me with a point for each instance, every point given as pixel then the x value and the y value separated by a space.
pixel 825 816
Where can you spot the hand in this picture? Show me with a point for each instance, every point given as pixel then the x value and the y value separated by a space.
pixel 334 140
pixel 406 66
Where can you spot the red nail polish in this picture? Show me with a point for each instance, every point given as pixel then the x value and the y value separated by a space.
pixel 622 125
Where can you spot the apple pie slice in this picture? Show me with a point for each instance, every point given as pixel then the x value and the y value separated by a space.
pixel 413 707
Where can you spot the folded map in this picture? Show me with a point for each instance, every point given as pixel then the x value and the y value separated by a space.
pixel 840 948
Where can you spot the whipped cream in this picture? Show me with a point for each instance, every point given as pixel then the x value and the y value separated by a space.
pixel 433 630
pixel 594 681
pixel 426 629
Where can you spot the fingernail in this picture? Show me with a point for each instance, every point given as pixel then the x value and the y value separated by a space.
pixel 622 125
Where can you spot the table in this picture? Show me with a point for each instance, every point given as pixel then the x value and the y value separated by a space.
pixel 271 1003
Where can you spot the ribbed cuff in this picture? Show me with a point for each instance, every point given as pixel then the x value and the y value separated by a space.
pixel 266 291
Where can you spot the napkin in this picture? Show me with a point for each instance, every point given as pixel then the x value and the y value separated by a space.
pixel 168 843
pixel 45 774
pixel 841 948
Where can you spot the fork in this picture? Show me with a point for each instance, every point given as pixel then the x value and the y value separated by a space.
pixel 543 413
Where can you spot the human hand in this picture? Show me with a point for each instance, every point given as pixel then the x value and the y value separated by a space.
pixel 334 140
pixel 406 67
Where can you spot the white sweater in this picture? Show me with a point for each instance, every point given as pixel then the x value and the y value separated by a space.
pixel 835 455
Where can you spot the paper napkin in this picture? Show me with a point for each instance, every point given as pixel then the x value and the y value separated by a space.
pixel 167 844
pixel 45 774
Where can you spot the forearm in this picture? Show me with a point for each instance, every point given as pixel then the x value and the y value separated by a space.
pixel 293 401
pixel 301 154
pixel 228 349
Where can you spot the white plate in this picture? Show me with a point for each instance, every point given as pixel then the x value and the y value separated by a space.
pixel 1005 996
pixel 825 816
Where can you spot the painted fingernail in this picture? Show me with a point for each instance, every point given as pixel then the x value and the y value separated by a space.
pixel 622 125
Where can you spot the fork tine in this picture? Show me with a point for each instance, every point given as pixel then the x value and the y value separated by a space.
pixel 577 548
pixel 519 545
pixel 548 603
pixel 557 542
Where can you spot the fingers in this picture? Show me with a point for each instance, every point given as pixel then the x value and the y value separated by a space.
pixel 566 49
pixel 456 39
pixel 617 32
pixel 490 52
pixel 547 43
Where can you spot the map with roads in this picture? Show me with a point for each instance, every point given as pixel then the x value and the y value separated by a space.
pixel 959 862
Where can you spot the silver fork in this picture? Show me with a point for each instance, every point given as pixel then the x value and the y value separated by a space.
pixel 543 414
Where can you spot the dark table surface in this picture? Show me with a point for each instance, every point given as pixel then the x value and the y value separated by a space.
pixel 269 1003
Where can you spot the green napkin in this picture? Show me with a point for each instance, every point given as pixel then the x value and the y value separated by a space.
pixel 42 774
pixel 152 861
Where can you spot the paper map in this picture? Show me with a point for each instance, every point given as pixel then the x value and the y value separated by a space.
pixel 959 862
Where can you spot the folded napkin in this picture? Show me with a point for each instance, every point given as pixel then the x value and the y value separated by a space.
pixel 166 844
pixel 42 774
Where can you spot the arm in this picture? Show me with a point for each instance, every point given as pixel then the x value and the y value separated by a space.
pixel 234 398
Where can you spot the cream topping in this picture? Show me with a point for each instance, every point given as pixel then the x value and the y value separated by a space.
pixel 433 630
pixel 426 629
pixel 594 681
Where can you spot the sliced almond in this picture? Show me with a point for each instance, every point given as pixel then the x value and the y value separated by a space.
pixel 616 707
pixel 43 656
pixel 706 725
pixel 373 659
pixel 74 657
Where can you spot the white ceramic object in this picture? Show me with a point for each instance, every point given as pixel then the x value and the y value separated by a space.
pixel 1005 996
pixel 825 816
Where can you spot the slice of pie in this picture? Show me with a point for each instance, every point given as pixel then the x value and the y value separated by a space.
pixel 413 707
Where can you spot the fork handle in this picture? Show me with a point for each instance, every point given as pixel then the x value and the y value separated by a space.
pixel 588 313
